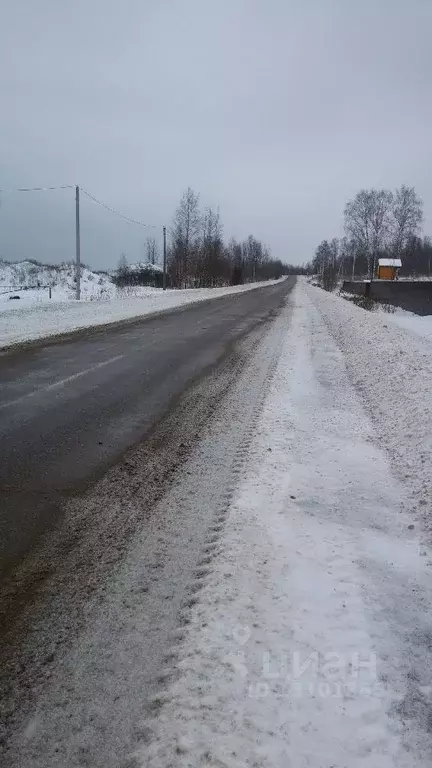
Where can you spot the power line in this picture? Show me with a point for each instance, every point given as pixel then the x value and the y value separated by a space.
pixel 38 189
pixel 88 194
pixel 77 223
pixel 117 213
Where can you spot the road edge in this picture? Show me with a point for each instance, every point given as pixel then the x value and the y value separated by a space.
pixel 77 333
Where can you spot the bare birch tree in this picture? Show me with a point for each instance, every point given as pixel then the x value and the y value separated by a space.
pixel 212 257
pixel 152 251
pixel 185 236
pixel 368 221
pixel 407 217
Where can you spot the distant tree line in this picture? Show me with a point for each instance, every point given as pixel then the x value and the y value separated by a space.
pixel 378 223
pixel 198 256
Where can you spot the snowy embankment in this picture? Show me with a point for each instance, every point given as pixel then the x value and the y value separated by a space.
pixel 391 368
pixel 421 325
pixel 310 644
pixel 29 282
pixel 39 320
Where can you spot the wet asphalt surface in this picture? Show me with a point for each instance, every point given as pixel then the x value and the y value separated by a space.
pixel 70 408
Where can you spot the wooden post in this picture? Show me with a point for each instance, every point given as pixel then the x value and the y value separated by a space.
pixel 164 281
pixel 77 245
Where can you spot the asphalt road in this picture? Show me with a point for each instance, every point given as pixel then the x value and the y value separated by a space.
pixel 69 409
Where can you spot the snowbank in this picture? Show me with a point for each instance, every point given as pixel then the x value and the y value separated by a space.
pixel 421 325
pixel 391 368
pixel 309 646
pixel 31 281
pixel 23 323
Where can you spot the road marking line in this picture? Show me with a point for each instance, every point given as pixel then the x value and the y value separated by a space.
pixel 62 382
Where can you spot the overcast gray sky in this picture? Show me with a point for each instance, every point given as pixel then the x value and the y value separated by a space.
pixel 276 110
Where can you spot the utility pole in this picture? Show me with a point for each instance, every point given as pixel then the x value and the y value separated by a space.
pixel 77 245
pixel 164 259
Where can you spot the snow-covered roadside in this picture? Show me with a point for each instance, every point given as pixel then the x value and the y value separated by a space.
pixel 418 324
pixel 310 645
pixel 392 370
pixel 41 320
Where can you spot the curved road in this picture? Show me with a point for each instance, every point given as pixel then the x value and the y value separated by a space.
pixel 71 407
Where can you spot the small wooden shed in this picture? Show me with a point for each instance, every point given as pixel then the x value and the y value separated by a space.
pixel 388 269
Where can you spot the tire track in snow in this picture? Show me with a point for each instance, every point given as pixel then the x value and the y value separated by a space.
pixel 256 391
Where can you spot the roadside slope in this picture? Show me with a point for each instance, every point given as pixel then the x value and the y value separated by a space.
pixel 391 368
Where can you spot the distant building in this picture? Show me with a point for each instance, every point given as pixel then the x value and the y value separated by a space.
pixel 388 269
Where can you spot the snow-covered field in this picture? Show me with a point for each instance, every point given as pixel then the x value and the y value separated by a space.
pixel 40 319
